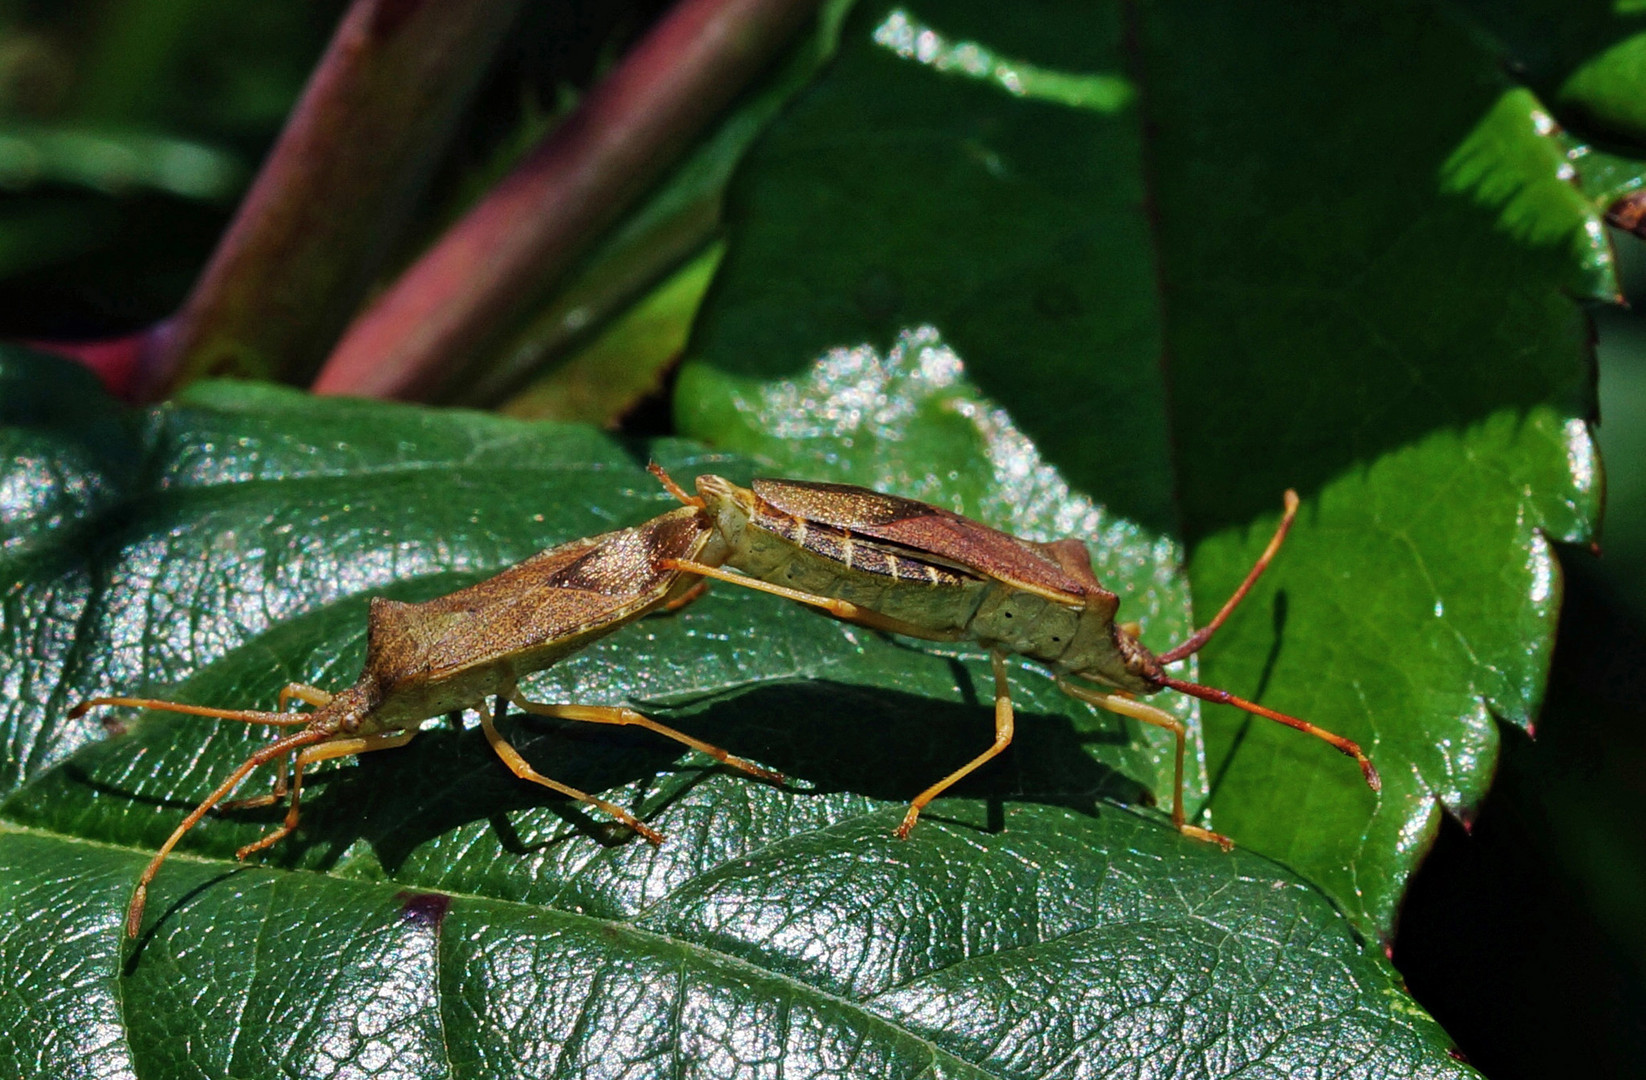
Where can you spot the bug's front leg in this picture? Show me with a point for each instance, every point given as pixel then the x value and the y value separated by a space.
pixel 1137 710
pixel 334 748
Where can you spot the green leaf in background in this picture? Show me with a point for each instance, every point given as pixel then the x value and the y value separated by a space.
pixel 435 917
pixel 1332 248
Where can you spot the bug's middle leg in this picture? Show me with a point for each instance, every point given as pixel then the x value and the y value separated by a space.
pixel 1137 710
pixel 522 768
pixel 840 609
pixel 616 714
pixel 1004 727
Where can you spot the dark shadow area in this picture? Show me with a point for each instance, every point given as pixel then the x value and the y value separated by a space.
pixel 825 736
pixel 1296 338
pixel 1523 936
pixel 1281 607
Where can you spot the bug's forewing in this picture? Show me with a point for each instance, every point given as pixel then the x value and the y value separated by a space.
pixel 931 530
pixel 539 610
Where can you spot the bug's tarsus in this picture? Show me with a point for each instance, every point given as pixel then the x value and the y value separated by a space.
pixel 1198 639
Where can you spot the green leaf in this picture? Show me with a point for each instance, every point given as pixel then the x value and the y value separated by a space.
pixel 436 917
pixel 1320 249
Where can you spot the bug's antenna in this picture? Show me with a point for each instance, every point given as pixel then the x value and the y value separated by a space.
pixel 1196 640
pixel 134 912
pixel 1223 697
pixel 671 487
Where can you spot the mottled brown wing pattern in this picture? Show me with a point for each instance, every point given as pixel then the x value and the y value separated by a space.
pixel 926 529
pixel 570 593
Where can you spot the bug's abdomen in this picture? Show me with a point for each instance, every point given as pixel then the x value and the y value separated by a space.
pixel 1026 623
pixel 829 561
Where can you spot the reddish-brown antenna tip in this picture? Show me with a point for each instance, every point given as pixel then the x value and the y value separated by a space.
pixel 1193 643
pixel 1348 747
pixel 134 913
pixel 1373 781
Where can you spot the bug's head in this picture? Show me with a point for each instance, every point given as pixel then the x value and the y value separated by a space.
pixel 1140 663
pixel 731 506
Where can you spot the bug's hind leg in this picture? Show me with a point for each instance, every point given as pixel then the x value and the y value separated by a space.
pixel 1137 710
pixel 522 768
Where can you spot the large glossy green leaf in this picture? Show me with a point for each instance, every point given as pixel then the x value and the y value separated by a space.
pixel 1198 255
pixel 435 917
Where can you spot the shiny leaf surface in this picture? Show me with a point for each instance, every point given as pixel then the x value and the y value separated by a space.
pixel 435 917
pixel 1336 249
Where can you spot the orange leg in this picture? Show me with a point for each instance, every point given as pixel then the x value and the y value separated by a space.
pixel 1004 726
pixel 277 749
pixel 1125 706
pixel 614 714
pixel 840 609
pixel 335 748
pixel 521 768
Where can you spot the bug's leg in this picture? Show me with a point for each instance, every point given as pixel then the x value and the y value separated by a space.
pixel 309 695
pixel 277 749
pixel 1137 710
pixel 255 801
pixel 336 748
pixel 840 609
pixel 697 590
pixel 1194 641
pixel 1004 724
pixel 521 768
pixel 616 714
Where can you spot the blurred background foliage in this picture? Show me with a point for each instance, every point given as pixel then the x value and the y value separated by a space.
pixel 128 128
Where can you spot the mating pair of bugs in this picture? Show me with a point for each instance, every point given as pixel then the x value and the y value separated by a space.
pixel 877 560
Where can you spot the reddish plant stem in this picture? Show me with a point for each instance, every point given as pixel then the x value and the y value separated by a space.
pixel 115 361
pixel 511 248
pixel 298 258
